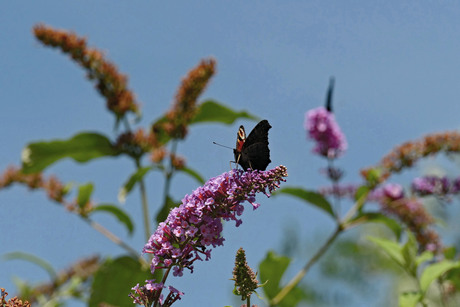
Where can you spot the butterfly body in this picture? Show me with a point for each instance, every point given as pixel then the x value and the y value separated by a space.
pixel 252 152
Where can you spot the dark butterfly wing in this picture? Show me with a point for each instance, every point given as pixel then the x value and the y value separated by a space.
pixel 259 134
pixel 255 156
pixel 330 90
pixel 255 153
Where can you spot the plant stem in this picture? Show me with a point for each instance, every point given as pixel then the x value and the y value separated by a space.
pixel 280 296
pixel 169 171
pixel 163 281
pixel 341 226
pixel 112 237
pixel 335 189
pixel 145 205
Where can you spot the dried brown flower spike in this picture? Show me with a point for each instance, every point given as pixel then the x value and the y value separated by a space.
pixel 109 81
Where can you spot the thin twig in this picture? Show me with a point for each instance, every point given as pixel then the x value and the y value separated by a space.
pixel 112 237
pixel 145 205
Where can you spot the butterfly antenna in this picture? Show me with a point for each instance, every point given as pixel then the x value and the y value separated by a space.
pixel 221 145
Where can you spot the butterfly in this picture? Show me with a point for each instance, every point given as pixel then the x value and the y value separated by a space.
pixel 253 152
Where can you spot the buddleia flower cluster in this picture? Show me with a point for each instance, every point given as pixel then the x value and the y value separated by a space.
pixel 434 185
pixel 192 229
pixel 324 130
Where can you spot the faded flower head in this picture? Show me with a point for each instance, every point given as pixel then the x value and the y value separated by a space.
pixel 109 81
pixel 55 190
pixel 410 211
pixel 137 143
pixel 323 128
pixel 407 154
pixel 175 123
pixel 12 302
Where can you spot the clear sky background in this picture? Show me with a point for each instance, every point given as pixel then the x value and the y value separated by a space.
pixel 397 70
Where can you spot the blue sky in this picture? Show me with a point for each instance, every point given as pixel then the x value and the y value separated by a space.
pixel 397 73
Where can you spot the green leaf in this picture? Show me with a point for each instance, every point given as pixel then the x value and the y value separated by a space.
pixel 272 269
pixel 84 194
pixel 192 173
pixel 409 299
pixel 33 259
pixel 133 179
pixel 409 252
pixel 212 111
pixel 361 192
pixel 293 298
pixel 434 271
pixel 449 252
pixel 82 148
pixel 208 111
pixel 114 280
pixel 164 211
pixel 391 248
pixel 376 217
pixel 311 197
pixel 424 257
pixel 121 215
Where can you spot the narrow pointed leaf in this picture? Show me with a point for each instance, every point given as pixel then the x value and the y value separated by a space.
pixel 82 147
pixel 409 252
pixel 391 248
pixel 131 182
pixel 424 257
pixel 213 111
pixel 376 217
pixel 121 215
pixel 434 271
pixel 33 259
pixel 311 197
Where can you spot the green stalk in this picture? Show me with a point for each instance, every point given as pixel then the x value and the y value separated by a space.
pixel 112 237
pixel 300 275
pixel 169 172
pixel 145 205
pixel 341 226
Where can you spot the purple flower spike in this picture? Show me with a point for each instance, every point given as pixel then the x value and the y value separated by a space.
pixel 432 185
pixel 192 228
pixel 322 127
